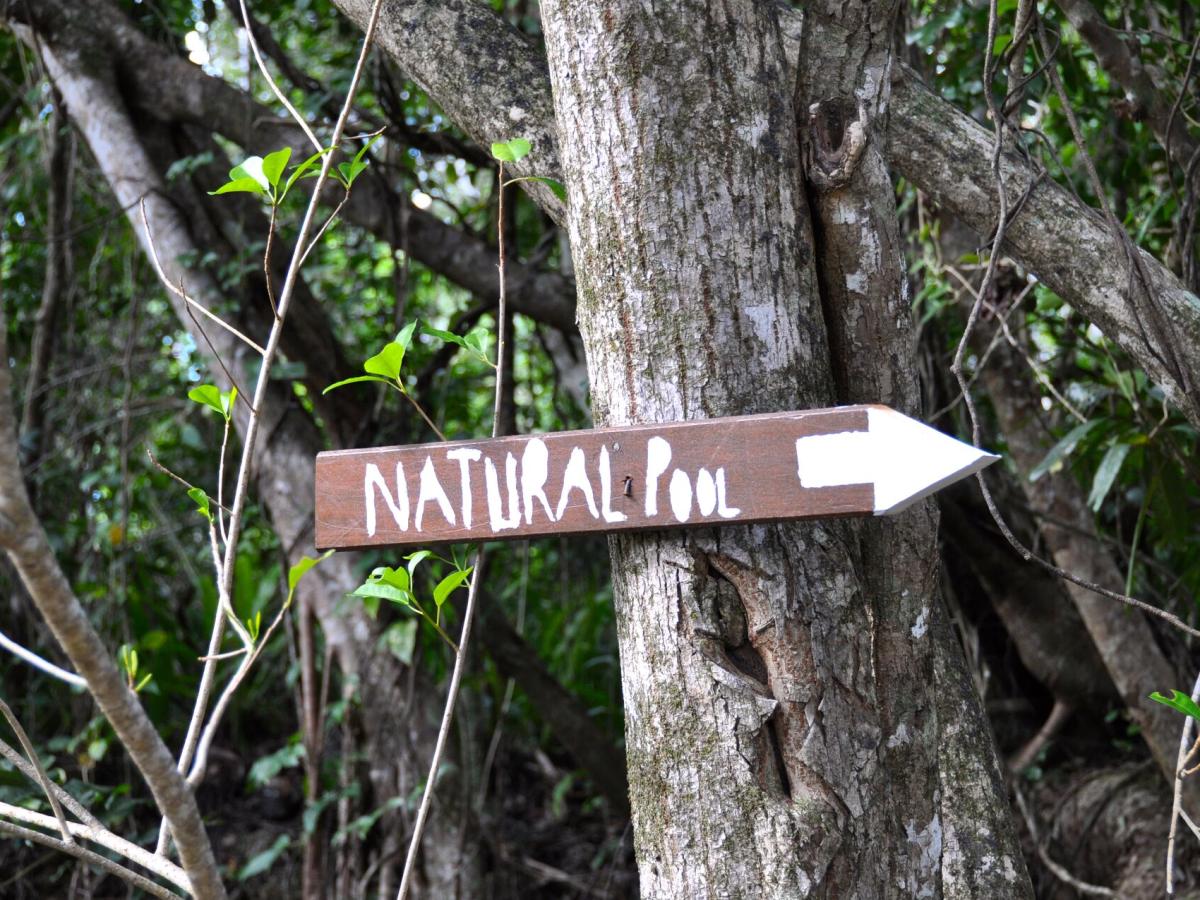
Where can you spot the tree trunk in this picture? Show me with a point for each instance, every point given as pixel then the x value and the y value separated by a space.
pixel 781 717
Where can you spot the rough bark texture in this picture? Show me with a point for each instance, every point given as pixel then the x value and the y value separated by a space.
pixel 844 92
pixel 760 715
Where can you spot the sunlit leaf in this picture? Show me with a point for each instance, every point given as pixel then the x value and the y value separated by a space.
pixel 251 168
pixel 449 585
pixel 209 395
pixel 302 568
pixel 274 164
pixel 239 186
pixel 1178 701
pixel 386 362
pixel 201 500
pixel 511 151
pixel 354 380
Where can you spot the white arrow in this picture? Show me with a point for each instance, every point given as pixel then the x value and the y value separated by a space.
pixel 905 459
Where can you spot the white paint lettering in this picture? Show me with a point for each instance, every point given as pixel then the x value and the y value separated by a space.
pixel 431 489
pixel 658 457
pixel 681 495
pixel 496 517
pixel 575 478
pixel 606 489
pixel 372 480
pixel 724 511
pixel 535 469
pixel 706 492
pixel 465 455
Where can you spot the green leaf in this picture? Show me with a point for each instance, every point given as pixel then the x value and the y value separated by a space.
pixel 1106 474
pixel 299 171
pixel 274 164
pixel 449 585
pixel 358 157
pixel 400 640
pixel 388 584
pixel 556 187
pixel 201 500
pixel 511 151
pixel 386 362
pixel 354 380
pixel 263 861
pixel 404 338
pixel 1063 448
pixel 448 336
pixel 239 186
pixel 137 688
pixel 476 340
pixel 209 395
pixel 1178 701
pixel 252 168
pixel 386 592
pixel 350 171
pixel 302 568
pixel 254 625
pixel 129 660
pixel 97 748
pixel 414 560
pixel 228 399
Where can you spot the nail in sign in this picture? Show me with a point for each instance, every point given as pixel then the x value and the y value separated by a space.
pixel 847 461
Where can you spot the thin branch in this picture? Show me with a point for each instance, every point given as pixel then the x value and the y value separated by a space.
pixel 88 856
pixel 26 768
pixel 226 568
pixel 460 658
pixel 1185 738
pixel 262 67
pixel 37 662
pixel 42 778
pixel 182 294
pixel 1056 869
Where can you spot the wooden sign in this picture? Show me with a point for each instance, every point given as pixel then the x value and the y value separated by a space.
pixel 852 460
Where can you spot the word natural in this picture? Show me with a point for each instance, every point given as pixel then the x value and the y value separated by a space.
pixel 846 461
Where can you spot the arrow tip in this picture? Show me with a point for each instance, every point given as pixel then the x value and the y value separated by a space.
pixel 922 460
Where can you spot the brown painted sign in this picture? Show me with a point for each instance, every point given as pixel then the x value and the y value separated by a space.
pixel 853 460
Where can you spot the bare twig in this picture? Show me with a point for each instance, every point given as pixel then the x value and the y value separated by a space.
pixel 460 659
pixel 42 778
pixel 90 857
pixel 266 73
pixel 37 662
pixel 26 768
pixel 226 567
pixel 1056 869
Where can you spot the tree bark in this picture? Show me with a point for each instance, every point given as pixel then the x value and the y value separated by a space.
pixel 760 720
